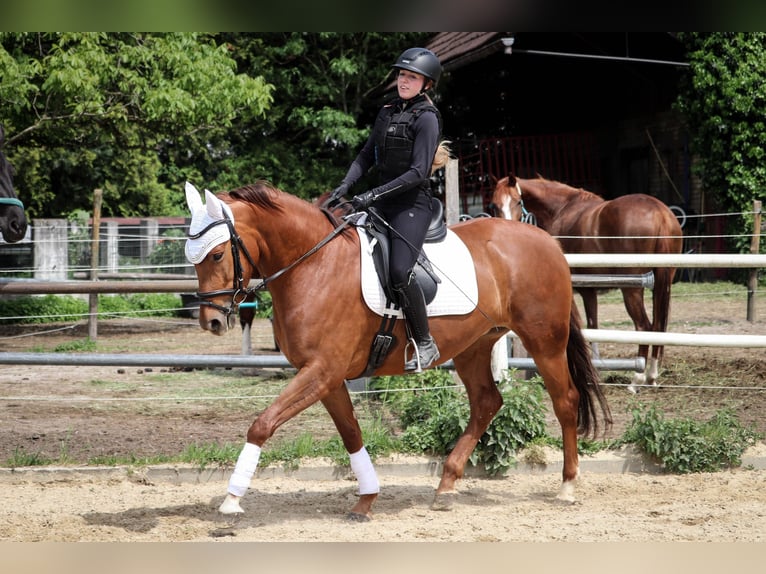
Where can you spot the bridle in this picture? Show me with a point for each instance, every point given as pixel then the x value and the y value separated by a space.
pixel 526 216
pixel 239 291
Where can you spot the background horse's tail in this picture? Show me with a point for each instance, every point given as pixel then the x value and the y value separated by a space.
pixel 586 380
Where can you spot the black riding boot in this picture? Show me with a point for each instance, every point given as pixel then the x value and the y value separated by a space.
pixel 414 307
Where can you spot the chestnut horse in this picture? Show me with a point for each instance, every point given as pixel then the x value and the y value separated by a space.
pixel 309 260
pixel 586 223
pixel 13 221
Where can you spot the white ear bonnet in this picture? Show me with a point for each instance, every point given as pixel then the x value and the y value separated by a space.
pixel 202 216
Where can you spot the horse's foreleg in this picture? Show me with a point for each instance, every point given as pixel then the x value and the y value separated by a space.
pixel 475 370
pixel 302 392
pixel 338 405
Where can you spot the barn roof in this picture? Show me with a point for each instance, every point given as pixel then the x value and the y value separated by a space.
pixel 454 50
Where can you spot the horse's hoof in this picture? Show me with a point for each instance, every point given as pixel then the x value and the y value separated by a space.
pixel 230 505
pixel 443 501
pixel 566 495
pixel 357 517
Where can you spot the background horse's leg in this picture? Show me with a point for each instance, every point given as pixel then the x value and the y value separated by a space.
pixel 634 304
pixel 474 368
pixel 338 405
pixel 590 305
pixel 663 281
pixel 246 318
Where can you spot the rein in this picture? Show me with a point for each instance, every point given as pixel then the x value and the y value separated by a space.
pixel 238 291
pixel 11 201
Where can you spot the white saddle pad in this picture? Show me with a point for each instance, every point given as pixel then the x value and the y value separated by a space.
pixel 452 263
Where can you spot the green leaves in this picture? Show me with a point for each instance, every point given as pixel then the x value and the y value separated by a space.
pixel 686 445
pixel 723 101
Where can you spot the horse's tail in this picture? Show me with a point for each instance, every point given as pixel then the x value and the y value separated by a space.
pixel 586 379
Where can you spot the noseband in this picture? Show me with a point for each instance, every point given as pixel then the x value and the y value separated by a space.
pixel 239 291
pixel 11 201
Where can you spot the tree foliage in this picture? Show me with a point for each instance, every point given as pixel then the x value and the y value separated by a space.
pixel 123 112
pixel 137 114
pixel 724 103
pixel 323 106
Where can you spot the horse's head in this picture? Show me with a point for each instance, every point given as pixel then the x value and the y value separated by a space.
pixel 223 283
pixel 13 221
pixel 506 199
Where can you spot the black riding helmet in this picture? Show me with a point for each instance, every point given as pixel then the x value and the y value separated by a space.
pixel 421 61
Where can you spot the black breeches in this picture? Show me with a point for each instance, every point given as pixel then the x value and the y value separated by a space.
pixel 409 226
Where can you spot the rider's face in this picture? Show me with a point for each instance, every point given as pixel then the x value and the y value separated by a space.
pixel 409 84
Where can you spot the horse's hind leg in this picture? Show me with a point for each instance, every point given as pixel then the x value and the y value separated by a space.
pixel 634 305
pixel 474 368
pixel 554 370
pixel 338 405
pixel 590 305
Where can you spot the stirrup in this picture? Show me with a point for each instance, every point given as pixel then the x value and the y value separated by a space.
pixel 423 356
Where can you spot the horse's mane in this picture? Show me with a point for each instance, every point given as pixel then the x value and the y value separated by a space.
pixel 6 175
pixel 264 194
pixel 261 193
pixel 560 187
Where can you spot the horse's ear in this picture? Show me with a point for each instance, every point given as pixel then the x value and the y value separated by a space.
pixel 493 180
pixel 214 205
pixel 193 198
pixel 511 179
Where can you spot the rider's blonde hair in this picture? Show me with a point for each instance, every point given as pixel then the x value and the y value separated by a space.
pixel 442 156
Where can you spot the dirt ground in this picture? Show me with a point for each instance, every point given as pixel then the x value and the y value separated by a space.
pixel 49 411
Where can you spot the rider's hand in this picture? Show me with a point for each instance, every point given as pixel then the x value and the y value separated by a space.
pixel 335 196
pixel 363 200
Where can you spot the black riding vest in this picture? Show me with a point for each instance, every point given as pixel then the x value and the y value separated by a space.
pixel 394 139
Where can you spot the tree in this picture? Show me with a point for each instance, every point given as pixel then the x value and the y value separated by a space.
pixel 125 112
pixel 323 106
pixel 724 104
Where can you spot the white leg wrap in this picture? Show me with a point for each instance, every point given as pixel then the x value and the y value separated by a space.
pixel 245 469
pixel 364 472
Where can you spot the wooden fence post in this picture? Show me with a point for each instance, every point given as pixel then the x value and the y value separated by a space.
pixel 755 245
pixel 94 260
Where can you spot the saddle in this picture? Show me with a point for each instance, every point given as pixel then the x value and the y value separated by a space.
pixel 423 273
pixel 381 241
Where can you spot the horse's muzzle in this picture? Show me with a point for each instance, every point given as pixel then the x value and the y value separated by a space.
pixel 215 321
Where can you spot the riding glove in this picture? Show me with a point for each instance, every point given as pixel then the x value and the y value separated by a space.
pixel 336 194
pixel 363 200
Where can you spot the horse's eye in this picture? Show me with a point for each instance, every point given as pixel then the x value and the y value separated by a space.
pixel 217 256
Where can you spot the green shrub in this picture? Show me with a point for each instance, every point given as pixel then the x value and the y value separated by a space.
pixel 686 445
pixel 433 419
pixel 44 309
pixel 66 308
pixel 520 421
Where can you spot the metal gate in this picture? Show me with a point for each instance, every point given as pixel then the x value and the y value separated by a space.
pixel 566 157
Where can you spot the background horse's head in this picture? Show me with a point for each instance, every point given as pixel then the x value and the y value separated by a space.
pixel 13 221
pixel 507 199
